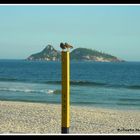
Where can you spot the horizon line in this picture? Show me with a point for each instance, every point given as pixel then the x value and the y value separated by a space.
pixel 57 61
pixel 64 4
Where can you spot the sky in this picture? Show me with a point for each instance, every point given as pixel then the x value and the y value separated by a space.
pixel 27 29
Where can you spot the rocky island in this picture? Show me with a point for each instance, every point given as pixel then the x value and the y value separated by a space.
pixel 49 53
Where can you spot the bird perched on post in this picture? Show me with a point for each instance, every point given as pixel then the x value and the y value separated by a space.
pixel 62 46
pixel 68 46
pixel 65 46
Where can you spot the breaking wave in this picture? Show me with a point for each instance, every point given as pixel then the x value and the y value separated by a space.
pixel 86 83
pixel 72 83
pixel 30 90
pixel 97 84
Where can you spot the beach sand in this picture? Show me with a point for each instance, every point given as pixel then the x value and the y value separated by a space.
pixel 39 118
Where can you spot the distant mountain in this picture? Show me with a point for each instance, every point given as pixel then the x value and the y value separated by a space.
pixel 78 54
pixel 92 55
pixel 48 54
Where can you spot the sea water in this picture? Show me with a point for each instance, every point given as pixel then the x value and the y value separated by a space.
pixel 93 84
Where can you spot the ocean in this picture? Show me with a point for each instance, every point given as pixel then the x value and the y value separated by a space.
pixel 93 84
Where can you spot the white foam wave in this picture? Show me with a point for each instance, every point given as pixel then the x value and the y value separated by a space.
pixel 50 91
pixel 22 90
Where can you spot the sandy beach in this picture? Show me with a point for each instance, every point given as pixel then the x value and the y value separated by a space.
pixel 38 118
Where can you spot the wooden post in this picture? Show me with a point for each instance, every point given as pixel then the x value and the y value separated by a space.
pixel 65 92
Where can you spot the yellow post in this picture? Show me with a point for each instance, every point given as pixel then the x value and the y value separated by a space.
pixel 65 92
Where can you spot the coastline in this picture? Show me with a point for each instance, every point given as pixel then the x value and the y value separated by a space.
pixel 42 118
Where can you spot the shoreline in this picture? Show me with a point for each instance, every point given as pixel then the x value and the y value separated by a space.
pixel 77 105
pixel 45 118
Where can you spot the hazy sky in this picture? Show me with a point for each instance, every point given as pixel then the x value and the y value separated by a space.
pixel 27 29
